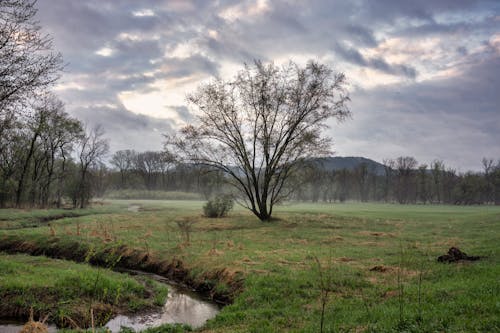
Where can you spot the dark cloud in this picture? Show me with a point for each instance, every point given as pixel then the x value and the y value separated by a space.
pixel 455 119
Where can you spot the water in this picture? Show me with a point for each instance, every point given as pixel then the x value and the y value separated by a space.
pixel 182 307
pixel 134 208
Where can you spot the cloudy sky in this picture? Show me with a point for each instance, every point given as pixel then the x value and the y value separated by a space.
pixel 424 75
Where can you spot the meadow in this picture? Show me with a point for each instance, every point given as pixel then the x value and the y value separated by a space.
pixel 354 267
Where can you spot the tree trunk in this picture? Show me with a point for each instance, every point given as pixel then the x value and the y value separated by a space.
pixel 20 184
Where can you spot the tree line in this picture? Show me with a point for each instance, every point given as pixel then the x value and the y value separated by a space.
pixel 45 155
pixel 403 181
pixel 161 171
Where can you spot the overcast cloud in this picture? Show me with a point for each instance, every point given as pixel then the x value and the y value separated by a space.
pixel 425 75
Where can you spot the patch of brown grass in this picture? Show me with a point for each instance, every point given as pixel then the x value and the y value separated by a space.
pixel 34 327
pixel 345 259
pixel 297 241
pixel 390 293
pixel 396 270
pixel 215 252
pixel 377 234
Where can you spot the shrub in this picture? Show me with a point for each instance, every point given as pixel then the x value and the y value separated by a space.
pixel 218 206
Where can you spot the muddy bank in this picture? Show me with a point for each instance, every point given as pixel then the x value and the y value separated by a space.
pixel 124 257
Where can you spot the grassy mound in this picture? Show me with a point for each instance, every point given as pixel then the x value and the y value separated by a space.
pixel 66 291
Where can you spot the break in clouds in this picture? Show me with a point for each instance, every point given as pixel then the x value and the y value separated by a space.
pixel 424 75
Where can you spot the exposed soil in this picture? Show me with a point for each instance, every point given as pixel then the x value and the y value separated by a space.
pixel 380 268
pixel 455 255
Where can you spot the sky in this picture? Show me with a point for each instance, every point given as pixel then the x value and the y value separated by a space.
pixel 424 76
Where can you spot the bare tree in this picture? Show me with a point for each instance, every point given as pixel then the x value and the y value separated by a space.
pixel 437 172
pixel 27 62
pixel 361 174
pixel 405 169
pixel 61 132
pixel 423 183
pixel 388 175
pixel 258 127
pixel 93 147
pixel 489 190
pixel 123 160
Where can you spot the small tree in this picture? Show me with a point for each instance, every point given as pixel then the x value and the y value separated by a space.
pixel 258 127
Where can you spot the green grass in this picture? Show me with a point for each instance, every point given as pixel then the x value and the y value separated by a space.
pixel 65 290
pixel 277 260
pixel 32 218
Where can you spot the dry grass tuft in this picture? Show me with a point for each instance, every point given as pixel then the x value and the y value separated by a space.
pixel 35 326
pixel 215 252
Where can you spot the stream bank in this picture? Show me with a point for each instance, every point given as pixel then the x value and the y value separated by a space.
pixel 126 258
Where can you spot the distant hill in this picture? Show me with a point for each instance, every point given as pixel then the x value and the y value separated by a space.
pixel 350 163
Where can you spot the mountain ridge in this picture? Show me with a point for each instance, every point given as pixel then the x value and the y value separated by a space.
pixel 335 163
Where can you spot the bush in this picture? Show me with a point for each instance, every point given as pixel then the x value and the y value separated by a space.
pixel 218 206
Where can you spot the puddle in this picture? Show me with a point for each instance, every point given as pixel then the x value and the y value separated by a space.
pixel 180 308
pixel 134 208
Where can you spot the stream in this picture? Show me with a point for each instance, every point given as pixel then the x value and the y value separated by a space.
pixel 182 307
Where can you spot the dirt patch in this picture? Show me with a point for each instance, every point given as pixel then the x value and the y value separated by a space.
pixel 381 269
pixel 390 294
pixel 455 255
pixel 345 259
pixel 396 270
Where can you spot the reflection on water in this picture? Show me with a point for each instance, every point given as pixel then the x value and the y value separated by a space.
pixel 180 308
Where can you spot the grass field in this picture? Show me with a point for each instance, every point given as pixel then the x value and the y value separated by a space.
pixel 379 261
